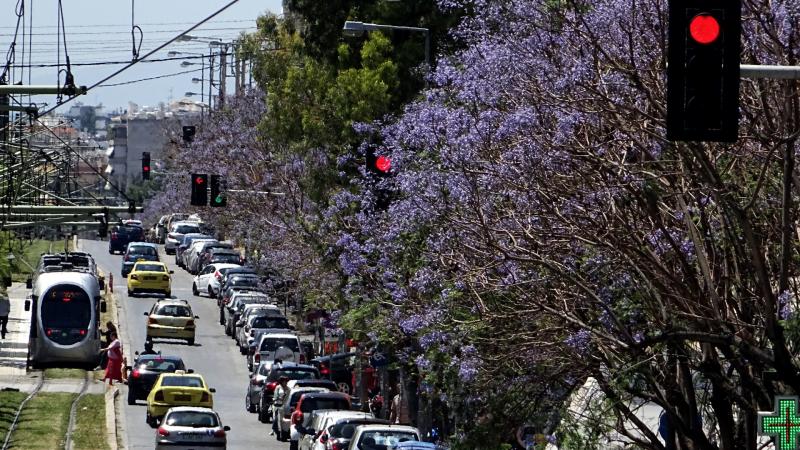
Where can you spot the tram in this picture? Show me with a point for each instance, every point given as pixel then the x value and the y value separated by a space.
pixel 65 311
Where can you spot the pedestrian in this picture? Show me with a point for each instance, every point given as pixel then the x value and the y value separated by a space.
pixel 110 328
pixel 399 413
pixel 5 309
pixel 278 399
pixel 114 366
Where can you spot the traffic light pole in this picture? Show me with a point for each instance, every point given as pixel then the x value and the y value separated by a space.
pixel 772 72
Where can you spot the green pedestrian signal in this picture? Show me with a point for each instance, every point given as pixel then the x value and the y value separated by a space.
pixel 219 196
pixel 783 424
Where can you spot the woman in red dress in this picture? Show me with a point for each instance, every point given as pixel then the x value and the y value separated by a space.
pixel 114 366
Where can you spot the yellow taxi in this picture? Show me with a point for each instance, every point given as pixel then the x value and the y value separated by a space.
pixel 178 388
pixel 172 319
pixel 150 276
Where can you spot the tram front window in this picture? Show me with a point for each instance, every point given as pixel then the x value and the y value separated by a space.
pixel 66 313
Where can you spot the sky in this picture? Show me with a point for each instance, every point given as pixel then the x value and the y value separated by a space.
pixel 100 31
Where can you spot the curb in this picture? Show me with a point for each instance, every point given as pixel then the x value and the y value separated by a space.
pixel 111 418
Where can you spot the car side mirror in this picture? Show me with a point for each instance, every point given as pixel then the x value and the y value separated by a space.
pixel 27 305
pixel 226 428
pixel 196 317
pixel 29 284
pixel 171 272
pixel 212 390
pixel 189 370
pixel 146 314
pixel 136 353
pixel 291 327
pixel 103 307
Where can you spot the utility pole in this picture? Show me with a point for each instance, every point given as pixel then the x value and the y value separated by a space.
pixel 210 82
pixel 236 72
pixel 223 73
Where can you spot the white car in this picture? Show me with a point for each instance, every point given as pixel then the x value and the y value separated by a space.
pixel 176 232
pixel 283 346
pixel 187 427
pixel 208 279
pixel 320 421
pixel 369 437
pixel 246 328
pixel 284 426
pixel 191 251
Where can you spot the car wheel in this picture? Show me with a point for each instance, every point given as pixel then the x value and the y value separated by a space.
pixel 248 404
pixel 227 329
pixel 110 252
pixel 343 387
pixel 263 413
pixel 168 294
pixel 242 350
pixel 131 396
pixel 151 420
pixel 149 339
pixel 190 341
pixel 210 292
pixel 292 445
pixel 195 292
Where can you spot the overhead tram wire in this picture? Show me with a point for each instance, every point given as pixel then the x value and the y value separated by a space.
pixel 150 78
pixel 96 33
pixel 146 24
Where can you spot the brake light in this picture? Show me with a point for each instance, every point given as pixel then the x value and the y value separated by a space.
pixel 256 358
pixel 337 446
pixel 324 370
pixel 82 332
pixel 297 417
pixel 152 321
pixel 302 358
pixel 165 278
pixel 159 397
pixel 271 386
pixel 163 431
pixel 218 275
pixel 49 331
pixel 189 323
pixel 219 433
pixel 134 276
pixel 204 398
pixel 135 373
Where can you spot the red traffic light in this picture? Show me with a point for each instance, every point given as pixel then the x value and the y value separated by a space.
pixel 199 180
pixel 383 164
pixel 704 28
pixel 146 168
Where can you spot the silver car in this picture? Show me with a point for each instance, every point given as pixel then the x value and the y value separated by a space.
pixel 189 427
pixel 176 232
pixel 257 379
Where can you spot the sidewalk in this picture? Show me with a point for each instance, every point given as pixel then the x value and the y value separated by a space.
pixel 14 348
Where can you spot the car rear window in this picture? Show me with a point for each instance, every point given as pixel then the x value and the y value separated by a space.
pixel 186 229
pixel 174 311
pixel 142 250
pixel 195 382
pixel 294 373
pixel 272 344
pixel 160 365
pixel 380 439
pixel 149 268
pixel 194 419
pixel 313 404
pixel 270 322
pixel 225 258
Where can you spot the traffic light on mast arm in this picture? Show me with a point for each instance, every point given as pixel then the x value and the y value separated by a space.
pixel 379 167
pixel 703 70
pixel 219 195
pixel 199 189
pixel 145 165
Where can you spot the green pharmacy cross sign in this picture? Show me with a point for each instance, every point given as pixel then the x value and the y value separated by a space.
pixel 783 424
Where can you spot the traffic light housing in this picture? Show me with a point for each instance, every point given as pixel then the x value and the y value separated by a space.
pixel 219 195
pixel 188 133
pixel 703 70
pixel 199 189
pixel 145 165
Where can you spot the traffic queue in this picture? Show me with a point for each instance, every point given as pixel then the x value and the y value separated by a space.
pixel 287 388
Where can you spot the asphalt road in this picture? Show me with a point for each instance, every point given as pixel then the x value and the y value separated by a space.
pixel 214 355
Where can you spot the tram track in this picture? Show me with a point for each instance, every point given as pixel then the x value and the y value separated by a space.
pixel 13 426
pixel 74 410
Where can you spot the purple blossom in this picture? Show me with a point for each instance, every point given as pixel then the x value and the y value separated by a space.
pixel 579 341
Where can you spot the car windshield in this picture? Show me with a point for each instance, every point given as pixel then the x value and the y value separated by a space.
pixel 142 250
pixel 129 229
pixel 270 322
pixel 149 268
pixel 194 419
pixel 160 365
pixel 249 300
pixel 194 382
pixel 384 439
pixel 243 281
pixel 174 311
pixel 271 344
pixel 185 229
pixel 346 428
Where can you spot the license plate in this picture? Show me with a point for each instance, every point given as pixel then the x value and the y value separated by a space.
pixel 150 278
pixel 192 436
pixel 182 398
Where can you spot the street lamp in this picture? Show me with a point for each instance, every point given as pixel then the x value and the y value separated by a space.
pixel 356 29
pixel 202 74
